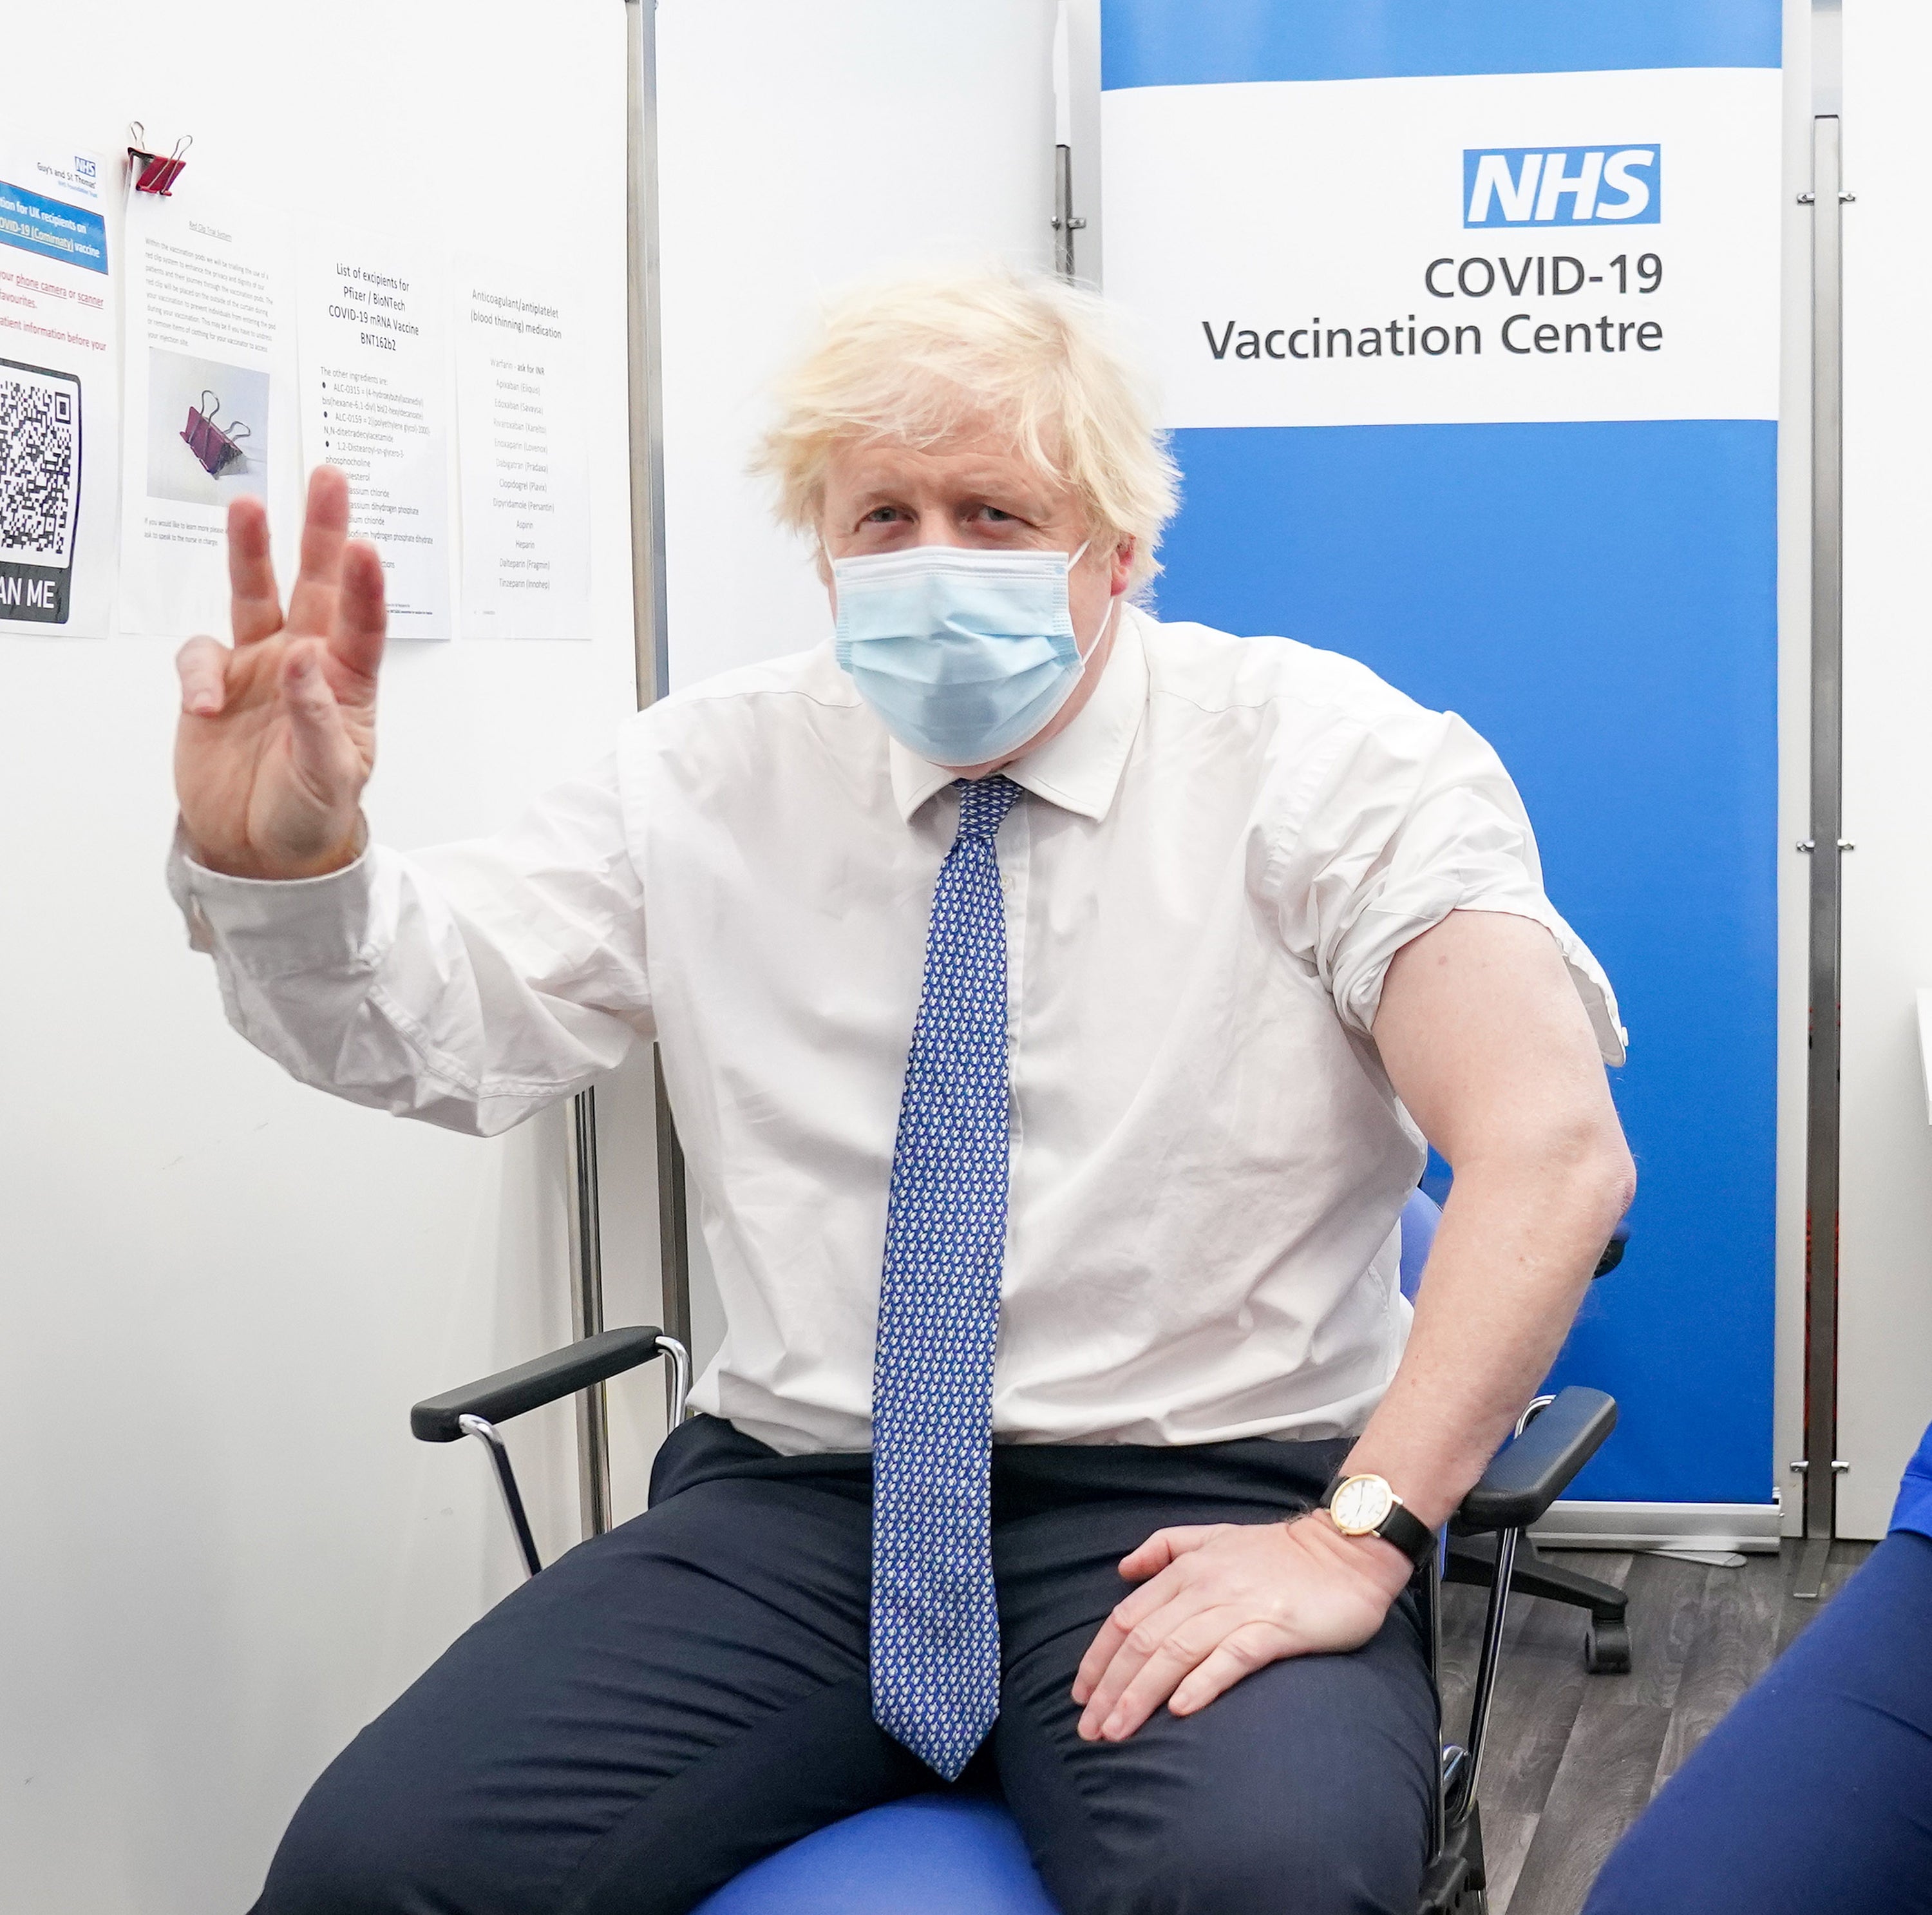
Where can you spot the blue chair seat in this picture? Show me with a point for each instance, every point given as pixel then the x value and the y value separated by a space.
pixel 933 1854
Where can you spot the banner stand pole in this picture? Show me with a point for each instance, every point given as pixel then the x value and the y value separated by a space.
pixel 586 1315
pixel 647 570
pixel 648 602
pixel 1827 845
pixel 1066 224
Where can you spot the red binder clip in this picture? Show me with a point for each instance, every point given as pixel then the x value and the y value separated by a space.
pixel 217 447
pixel 156 173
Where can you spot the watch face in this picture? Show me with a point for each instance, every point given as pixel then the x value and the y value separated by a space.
pixel 1361 1504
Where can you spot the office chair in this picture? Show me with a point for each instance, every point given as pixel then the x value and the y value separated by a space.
pixel 1472 1559
pixel 952 1853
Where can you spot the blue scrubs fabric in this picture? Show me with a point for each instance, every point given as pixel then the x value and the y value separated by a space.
pixel 1913 1509
pixel 1815 1793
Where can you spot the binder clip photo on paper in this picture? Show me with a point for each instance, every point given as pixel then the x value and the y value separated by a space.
pixel 155 172
pixel 218 447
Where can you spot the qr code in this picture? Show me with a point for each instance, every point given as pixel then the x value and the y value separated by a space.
pixel 40 466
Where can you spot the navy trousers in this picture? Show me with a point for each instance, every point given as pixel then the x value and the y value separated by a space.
pixel 1815 1793
pixel 673 1700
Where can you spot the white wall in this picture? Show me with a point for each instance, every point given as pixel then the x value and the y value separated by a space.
pixel 220 1551
pixel 1885 1311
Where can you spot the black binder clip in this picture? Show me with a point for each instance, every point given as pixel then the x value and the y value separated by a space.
pixel 156 173
pixel 217 447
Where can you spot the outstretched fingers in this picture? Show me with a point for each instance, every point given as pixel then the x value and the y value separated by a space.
pixel 361 619
pixel 318 585
pixel 255 606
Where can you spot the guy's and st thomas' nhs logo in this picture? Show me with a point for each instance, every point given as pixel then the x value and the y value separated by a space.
pixel 1562 186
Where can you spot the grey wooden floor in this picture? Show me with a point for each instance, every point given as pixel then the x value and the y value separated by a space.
pixel 1573 1757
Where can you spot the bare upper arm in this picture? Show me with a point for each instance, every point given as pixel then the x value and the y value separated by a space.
pixel 1487 1043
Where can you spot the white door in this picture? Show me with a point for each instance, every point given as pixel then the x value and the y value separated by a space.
pixel 1886 1237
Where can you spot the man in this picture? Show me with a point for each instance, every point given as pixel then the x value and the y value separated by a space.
pixel 1045 995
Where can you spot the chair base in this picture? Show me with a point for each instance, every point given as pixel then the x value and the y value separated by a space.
pixel 1472 1561
pixel 1456 1882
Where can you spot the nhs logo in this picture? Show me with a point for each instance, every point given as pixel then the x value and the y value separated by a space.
pixel 1562 186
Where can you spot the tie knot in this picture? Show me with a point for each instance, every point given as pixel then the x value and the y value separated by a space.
pixel 984 803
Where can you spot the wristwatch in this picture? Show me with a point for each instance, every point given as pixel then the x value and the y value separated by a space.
pixel 1366 1506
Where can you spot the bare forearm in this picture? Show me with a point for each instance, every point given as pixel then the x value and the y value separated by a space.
pixel 1519 1239
pixel 1485 1040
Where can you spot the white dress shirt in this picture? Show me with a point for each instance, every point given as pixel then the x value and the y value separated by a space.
pixel 1204 885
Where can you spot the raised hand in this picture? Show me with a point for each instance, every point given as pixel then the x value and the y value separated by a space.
pixel 277 733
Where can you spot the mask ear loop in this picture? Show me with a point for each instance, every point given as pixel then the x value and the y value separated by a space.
pixel 1113 610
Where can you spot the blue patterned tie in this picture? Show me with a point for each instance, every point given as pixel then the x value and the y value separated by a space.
pixel 935 1625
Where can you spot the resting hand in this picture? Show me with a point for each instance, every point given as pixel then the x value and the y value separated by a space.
pixel 1218 1602
pixel 276 736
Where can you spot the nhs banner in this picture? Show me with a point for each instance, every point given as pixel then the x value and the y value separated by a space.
pixel 1461 385
pixel 1614 185
pixel 1446 258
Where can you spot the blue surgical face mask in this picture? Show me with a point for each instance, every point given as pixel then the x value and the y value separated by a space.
pixel 965 655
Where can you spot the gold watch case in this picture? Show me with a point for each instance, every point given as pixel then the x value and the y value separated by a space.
pixel 1361 1505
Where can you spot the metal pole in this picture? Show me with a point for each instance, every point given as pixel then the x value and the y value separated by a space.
pixel 673 1219
pixel 647 566
pixel 1488 1662
pixel 1066 224
pixel 586 1315
pixel 647 376
pixel 1827 844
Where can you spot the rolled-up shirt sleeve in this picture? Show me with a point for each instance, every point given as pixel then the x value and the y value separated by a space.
pixel 468 985
pixel 1399 822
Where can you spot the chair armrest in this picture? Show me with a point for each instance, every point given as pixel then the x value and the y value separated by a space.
pixel 1528 1474
pixel 530 1385
pixel 1613 1252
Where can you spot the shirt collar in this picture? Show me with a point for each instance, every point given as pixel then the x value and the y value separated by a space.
pixel 1080 770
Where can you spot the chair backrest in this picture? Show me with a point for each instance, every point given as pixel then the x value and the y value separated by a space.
pixel 1420 1216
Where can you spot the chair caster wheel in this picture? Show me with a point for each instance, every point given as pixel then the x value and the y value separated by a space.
pixel 1606 1648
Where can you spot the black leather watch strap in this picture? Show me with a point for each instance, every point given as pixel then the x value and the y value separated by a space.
pixel 1400 1527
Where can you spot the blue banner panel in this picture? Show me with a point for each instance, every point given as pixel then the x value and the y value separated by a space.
pixel 1599 600
pixel 52 228
pixel 1540 491
pixel 1169 45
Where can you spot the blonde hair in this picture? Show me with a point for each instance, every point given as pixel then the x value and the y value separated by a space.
pixel 913 360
